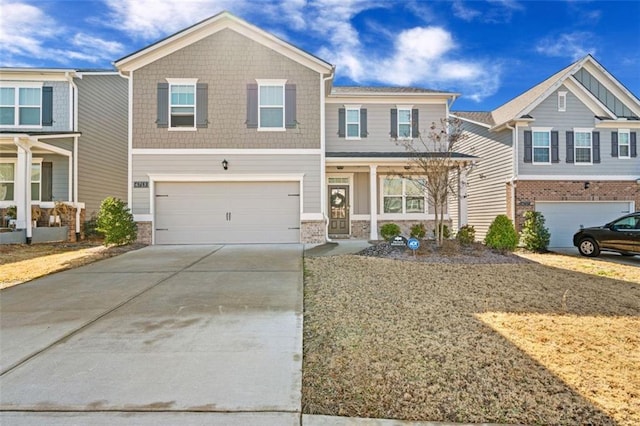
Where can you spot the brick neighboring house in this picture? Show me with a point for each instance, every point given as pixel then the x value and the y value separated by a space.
pixel 566 147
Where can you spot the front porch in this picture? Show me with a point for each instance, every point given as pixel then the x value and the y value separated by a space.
pixel 39 187
pixel 365 192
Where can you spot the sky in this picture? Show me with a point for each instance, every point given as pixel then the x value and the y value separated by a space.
pixel 488 51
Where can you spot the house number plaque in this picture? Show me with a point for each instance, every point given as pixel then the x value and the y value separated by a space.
pixel 140 184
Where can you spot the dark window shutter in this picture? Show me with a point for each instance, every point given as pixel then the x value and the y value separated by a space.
pixel 614 144
pixel 290 106
pixel 632 141
pixel 202 105
pixel 342 123
pixel 555 155
pixel 415 123
pixel 252 106
pixel 363 123
pixel 569 147
pixel 528 147
pixel 46 180
pixel 47 106
pixel 394 123
pixel 163 105
pixel 595 143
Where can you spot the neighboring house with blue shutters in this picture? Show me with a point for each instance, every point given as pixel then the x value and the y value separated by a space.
pixel 567 148
pixel 60 132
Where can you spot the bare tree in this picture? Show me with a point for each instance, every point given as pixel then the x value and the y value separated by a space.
pixel 433 157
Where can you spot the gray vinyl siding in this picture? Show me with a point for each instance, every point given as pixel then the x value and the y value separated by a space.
pixel 361 193
pixel 64 143
pixel 226 61
pixel 486 184
pixel 379 126
pixel 207 165
pixel 577 115
pixel 102 160
pixel 60 175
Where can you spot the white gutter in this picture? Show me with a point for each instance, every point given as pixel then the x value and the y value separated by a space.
pixel 514 177
pixel 130 140
pixel 323 154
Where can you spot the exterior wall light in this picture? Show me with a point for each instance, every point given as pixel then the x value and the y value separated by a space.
pixel 586 185
pixel 225 164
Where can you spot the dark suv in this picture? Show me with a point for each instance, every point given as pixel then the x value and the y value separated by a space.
pixel 622 236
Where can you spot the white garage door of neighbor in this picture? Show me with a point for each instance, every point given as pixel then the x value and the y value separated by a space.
pixel 564 218
pixel 227 212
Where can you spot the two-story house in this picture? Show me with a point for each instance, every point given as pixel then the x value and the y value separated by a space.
pixel 236 136
pixel 62 139
pixel 566 147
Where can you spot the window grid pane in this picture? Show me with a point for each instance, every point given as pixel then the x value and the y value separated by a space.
pixel 541 139
pixel 623 145
pixel 271 95
pixel 35 191
pixel 404 123
pixel 541 155
pixel 6 172
pixel 392 186
pixel 7 96
pixel 29 116
pixel 29 97
pixel 583 155
pixel 271 117
pixel 6 191
pixel 583 140
pixel 353 130
pixel 183 95
pixel 393 204
pixel 415 205
pixel 7 116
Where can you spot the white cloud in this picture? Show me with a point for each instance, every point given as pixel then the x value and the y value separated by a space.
pixel 464 12
pixel 19 35
pixel 493 12
pixel 574 45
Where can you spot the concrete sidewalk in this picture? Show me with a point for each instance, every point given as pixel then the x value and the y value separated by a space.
pixel 336 248
pixel 202 334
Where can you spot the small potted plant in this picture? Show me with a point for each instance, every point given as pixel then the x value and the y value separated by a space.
pixel 55 214
pixel 36 214
pixel 10 215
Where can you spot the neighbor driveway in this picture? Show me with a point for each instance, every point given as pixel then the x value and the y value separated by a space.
pixel 162 335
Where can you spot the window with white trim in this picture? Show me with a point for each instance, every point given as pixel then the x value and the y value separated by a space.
pixel 562 101
pixel 36 181
pixel 403 196
pixel 582 146
pixel 624 144
pixel 21 106
pixel 7 181
pixel 353 122
pixel 541 147
pixel 271 106
pixel 404 123
pixel 182 105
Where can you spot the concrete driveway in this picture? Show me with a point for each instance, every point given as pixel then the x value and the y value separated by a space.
pixel 162 335
pixel 604 256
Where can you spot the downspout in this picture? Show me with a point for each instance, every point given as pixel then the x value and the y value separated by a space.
pixel 323 157
pixel 129 139
pixel 74 127
pixel 514 177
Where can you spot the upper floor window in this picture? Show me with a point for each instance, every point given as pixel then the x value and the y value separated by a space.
pixel 353 122
pixel 21 106
pixel 624 144
pixel 404 123
pixel 271 105
pixel 182 104
pixel 562 101
pixel 541 147
pixel 403 196
pixel 582 146
pixel 7 177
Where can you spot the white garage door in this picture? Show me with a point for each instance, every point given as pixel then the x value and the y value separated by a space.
pixel 227 212
pixel 564 218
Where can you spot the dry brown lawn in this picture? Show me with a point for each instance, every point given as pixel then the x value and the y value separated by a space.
pixel 20 263
pixel 506 343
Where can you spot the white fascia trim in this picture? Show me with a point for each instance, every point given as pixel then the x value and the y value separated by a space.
pixel 617 89
pixel 52 148
pixel 191 81
pixel 616 124
pixel 35 74
pixel 578 177
pixel 22 84
pixel 293 177
pixel 83 73
pixel 207 151
pixel 587 98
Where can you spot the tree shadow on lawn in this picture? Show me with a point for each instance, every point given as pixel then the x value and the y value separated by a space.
pixel 390 339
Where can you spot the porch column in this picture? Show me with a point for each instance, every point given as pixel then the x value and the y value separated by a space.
pixel 22 188
pixel 462 197
pixel 373 201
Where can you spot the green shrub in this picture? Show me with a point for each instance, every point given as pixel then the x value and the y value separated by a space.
pixel 418 231
pixel 501 235
pixel 446 233
pixel 389 230
pixel 89 228
pixel 534 235
pixel 466 235
pixel 115 222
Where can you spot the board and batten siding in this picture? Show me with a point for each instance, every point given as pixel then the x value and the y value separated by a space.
pixel 60 175
pixel 207 165
pixel 577 115
pixel 102 148
pixel 226 61
pixel 486 184
pixel 378 126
